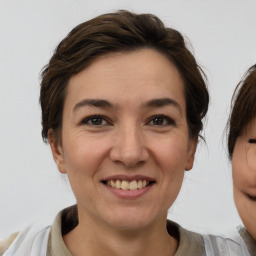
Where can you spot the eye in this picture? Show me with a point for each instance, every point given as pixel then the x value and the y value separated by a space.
pixel 161 120
pixel 252 141
pixel 95 120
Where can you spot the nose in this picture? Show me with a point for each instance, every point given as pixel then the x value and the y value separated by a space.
pixel 129 147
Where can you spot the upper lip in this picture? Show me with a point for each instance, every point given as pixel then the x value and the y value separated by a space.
pixel 128 177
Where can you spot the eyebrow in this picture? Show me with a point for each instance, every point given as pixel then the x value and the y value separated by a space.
pixel 94 103
pixel 100 103
pixel 164 102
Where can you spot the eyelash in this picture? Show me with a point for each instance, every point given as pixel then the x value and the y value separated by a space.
pixel 252 141
pixel 168 121
pixel 86 120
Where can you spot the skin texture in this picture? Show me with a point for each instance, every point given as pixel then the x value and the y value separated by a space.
pixel 129 140
pixel 244 177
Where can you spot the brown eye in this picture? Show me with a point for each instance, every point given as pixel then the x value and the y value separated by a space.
pixel 158 121
pixel 252 141
pixel 95 120
pixel 161 120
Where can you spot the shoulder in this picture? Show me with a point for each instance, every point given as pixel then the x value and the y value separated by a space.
pixel 64 222
pixel 30 241
pixel 231 244
pixel 247 239
pixel 5 244
pixel 43 239
pixel 192 243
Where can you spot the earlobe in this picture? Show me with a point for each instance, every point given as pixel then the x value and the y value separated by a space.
pixel 191 153
pixel 57 151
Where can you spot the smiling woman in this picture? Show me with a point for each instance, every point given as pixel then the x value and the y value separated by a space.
pixel 127 141
pixel 122 103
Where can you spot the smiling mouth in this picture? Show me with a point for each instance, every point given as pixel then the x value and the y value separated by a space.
pixel 128 185
pixel 253 198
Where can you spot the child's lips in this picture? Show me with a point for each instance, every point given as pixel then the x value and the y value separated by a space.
pixel 253 198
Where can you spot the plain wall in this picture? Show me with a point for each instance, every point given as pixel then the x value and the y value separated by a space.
pixel 223 36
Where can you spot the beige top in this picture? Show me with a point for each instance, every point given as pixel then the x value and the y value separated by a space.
pixel 190 243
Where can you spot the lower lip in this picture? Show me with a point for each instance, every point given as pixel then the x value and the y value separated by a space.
pixel 129 194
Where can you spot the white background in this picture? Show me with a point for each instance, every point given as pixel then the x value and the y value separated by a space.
pixel 224 40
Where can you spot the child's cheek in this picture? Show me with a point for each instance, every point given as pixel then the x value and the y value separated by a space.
pixel 251 159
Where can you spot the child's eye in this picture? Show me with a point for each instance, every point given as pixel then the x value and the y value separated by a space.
pixel 161 120
pixel 95 120
pixel 252 141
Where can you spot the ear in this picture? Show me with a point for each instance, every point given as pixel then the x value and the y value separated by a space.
pixel 57 151
pixel 192 145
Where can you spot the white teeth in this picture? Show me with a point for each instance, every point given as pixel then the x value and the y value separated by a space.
pixel 133 185
pixel 112 183
pixel 118 184
pixel 139 184
pixel 127 185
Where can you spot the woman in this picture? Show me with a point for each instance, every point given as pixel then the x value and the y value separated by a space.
pixel 122 103
pixel 242 152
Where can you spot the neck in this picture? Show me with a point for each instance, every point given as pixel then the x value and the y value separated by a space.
pixel 99 239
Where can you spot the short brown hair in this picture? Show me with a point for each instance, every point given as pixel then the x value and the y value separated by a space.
pixel 243 107
pixel 118 32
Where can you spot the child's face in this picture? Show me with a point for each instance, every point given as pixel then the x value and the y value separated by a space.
pixel 244 177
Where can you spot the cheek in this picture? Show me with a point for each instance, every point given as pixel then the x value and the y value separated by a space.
pixel 83 159
pixel 244 176
pixel 171 155
pixel 173 152
pixel 251 159
pixel 84 155
pixel 244 169
pixel 239 167
pixel 238 173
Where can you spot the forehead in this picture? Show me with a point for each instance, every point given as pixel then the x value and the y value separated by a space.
pixel 128 76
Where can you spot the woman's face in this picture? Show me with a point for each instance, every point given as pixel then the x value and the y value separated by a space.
pixel 244 177
pixel 125 140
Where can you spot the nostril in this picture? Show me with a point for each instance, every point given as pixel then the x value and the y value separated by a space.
pixel 129 159
pixel 129 148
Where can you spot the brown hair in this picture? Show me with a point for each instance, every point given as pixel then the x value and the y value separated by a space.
pixel 113 32
pixel 243 107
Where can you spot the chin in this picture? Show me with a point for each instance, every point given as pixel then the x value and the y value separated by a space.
pixel 246 209
pixel 130 220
